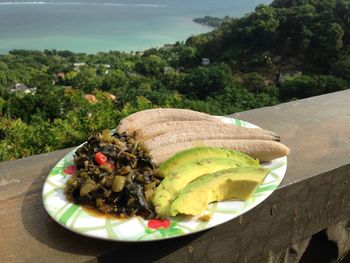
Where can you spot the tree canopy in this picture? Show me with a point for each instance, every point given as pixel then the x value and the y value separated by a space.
pixel 288 50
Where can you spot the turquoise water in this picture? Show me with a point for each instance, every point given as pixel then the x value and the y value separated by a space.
pixel 103 25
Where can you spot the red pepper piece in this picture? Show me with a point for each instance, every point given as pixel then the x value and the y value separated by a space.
pixel 100 158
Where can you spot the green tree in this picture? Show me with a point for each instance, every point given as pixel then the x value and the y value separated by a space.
pixel 258 30
pixel 3 79
pixel 327 45
pixel 341 68
pixel 297 87
pixel 306 86
pixel 41 81
pixel 21 106
pixel 187 55
pixel 87 80
pixel 254 82
pixel 151 65
pixel 201 82
pixel 115 79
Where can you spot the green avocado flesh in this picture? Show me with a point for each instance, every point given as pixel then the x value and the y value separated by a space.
pixel 183 172
pixel 194 154
pixel 234 183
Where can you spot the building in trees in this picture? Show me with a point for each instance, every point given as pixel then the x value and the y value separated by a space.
pixel 20 87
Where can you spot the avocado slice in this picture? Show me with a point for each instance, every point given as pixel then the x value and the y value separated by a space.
pixel 234 183
pixel 183 172
pixel 196 153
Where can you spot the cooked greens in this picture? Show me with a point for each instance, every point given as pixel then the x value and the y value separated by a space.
pixel 115 175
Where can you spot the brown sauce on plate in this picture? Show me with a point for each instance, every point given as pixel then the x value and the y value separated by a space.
pixel 96 213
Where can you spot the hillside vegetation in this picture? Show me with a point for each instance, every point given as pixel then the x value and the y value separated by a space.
pixel 289 50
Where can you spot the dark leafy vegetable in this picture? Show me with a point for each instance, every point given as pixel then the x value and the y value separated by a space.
pixel 115 175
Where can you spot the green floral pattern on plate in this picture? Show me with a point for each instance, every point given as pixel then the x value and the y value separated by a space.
pixel 77 219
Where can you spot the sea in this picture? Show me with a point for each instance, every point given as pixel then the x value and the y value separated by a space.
pixel 102 25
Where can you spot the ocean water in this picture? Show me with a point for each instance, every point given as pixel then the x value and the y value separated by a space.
pixel 102 25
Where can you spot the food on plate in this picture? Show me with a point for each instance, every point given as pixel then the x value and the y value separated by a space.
pixel 209 133
pixel 186 166
pixel 115 175
pixel 164 132
pixel 162 162
pixel 259 149
pixel 156 129
pixel 235 183
pixel 190 156
pixel 144 118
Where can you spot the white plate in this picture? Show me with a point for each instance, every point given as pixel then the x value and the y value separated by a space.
pixel 79 220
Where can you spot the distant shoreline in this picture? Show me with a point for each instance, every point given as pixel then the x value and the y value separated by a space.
pixel 127 45
pixel 103 26
pixel 211 21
